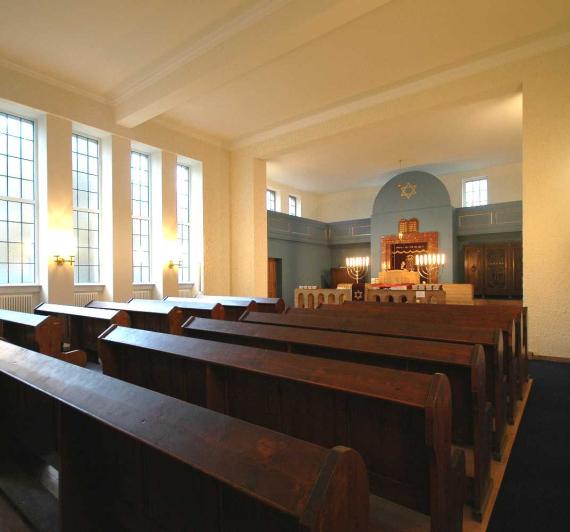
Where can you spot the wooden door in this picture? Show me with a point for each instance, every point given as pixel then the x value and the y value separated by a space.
pixel 473 265
pixel 497 269
pixel 517 269
pixel 272 277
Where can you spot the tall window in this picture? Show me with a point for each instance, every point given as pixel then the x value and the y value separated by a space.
pixel 183 220
pixel 85 166
pixel 293 206
pixel 140 200
pixel 271 198
pixel 17 201
pixel 475 192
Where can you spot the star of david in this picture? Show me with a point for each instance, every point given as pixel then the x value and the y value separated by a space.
pixel 358 295
pixel 408 190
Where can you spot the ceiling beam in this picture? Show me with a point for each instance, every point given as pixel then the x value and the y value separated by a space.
pixel 270 30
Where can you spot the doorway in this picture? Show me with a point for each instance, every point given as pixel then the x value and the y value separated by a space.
pixel 274 277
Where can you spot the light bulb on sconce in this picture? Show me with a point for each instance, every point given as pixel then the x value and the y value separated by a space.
pixel 63 247
pixel 172 251
pixel 60 261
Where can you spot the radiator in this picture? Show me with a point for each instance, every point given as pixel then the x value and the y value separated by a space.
pixel 18 302
pixel 80 299
pixel 143 293
pixel 186 292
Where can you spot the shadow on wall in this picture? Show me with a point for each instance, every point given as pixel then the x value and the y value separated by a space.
pixel 418 195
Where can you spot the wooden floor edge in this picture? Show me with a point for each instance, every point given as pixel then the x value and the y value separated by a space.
pixel 498 470
pixel 563 360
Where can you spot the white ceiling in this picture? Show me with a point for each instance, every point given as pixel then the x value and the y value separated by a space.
pixel 461 137
pixel 241 71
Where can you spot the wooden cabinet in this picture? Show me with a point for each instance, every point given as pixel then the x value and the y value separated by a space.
pixel 339 276
pixel 494 269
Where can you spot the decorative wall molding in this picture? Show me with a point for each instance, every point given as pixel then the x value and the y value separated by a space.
pixel 349 232
pixel 495 218
pixel 294 228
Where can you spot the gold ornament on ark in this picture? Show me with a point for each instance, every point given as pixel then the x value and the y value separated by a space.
pixel 408 190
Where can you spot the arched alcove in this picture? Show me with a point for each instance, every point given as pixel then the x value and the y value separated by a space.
pixel 414 194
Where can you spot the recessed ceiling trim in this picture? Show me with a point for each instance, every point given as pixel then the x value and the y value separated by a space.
pixel 406 89
pixel 198 48
pixel 10 65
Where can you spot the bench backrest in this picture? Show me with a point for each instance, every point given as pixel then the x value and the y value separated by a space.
pixel 82 325
pixel 232 308
pixel 400 422
pixel 264 304
pixel 40 333
pixel 133 459
pixel 149 314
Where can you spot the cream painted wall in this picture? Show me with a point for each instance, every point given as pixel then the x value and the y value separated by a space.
pixel 346 205
pixel 504 183
pixel 248 225
pixel 309 201
pixel 27 95
pixel 546 191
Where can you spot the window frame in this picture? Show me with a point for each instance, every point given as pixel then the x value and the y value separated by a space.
pixel 271 192
pixel 89 211
pixel 464 191
pixel 34 202
pixel 148 219
pixel 184 270
pixel 296 198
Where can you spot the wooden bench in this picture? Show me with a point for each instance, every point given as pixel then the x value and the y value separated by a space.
pixel 82 325
pixel 508 318
pixel 399 422
pixel 39 333
pixel 464 365
pixel 150 315
pixel 264 304
pixel 133 459
pixel 232 308
pixel 491 340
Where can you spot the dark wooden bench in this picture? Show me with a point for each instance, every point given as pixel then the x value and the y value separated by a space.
pixel 39 333
pixel 190 307
pixel 264 304
pixel 464 365
pixel 491 340
pixel 82 325
pixel 399 422
pixel 152 315
pixel 133 459
pixel 233 307
pixel 469 315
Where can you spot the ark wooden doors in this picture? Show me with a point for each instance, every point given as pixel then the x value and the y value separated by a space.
pixel 494 269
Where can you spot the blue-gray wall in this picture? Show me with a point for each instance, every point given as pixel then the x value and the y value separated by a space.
pixel 309 248
pixel 430 205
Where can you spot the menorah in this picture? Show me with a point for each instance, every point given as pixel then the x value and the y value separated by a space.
pixel 357 267
pixel 429 263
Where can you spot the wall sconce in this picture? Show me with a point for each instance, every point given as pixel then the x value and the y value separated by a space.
pixel 60 261
pixel 172 263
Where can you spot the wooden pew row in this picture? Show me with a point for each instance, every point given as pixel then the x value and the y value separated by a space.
pixel 160 316
pixel 233 308
pixel 490 340
pixel 399 422
pixel 39 333
pixel 133 459
pixel 82 325
pixel 442 316
pixel 192 307
pixel 464 365
pixel 264 304
pixel 500 315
